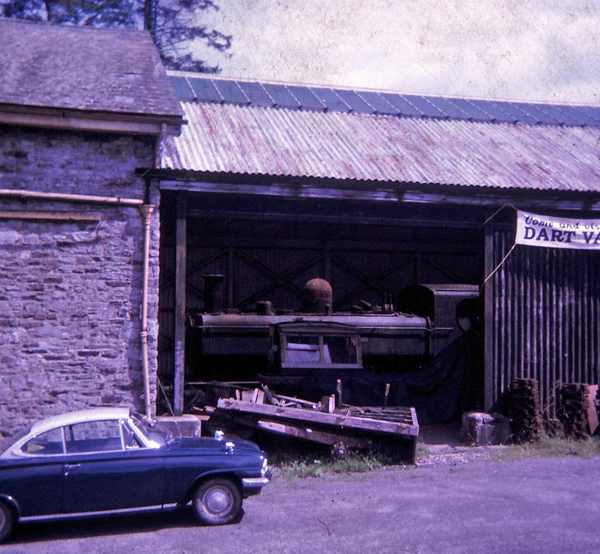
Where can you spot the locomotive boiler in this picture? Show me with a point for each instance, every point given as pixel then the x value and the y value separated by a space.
pixel 392 337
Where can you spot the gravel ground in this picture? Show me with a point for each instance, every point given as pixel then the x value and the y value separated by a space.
pixel 454 458
pixel 450 503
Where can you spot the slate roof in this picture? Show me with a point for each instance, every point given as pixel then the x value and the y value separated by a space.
pixel 204 89
pixel 83 68
pixel 273 130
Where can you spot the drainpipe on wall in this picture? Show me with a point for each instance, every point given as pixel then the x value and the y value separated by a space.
pixel 146 211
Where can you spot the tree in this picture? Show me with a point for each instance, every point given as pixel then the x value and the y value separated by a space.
pixel 174 24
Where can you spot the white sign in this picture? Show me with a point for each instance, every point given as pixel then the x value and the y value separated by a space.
pixel 557 232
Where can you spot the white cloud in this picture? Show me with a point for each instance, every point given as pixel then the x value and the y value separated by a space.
pixel 536 50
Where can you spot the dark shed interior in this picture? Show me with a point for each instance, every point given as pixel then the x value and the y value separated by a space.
pixel 267 248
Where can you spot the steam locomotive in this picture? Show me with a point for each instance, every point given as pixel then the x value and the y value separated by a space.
pixel 425 320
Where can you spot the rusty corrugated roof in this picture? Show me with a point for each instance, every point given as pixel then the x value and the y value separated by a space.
pixel 239 137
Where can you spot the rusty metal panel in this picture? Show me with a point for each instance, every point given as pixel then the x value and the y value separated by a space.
pixel 234 139
pixel 545 321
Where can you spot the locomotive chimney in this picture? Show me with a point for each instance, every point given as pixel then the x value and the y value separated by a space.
pixel 214 293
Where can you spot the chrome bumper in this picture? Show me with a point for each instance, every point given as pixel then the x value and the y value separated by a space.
pixel 256 482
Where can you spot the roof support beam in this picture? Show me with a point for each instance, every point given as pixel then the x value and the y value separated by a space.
pixel 309 218
pixel 396 192
pixel 488 321
pixel 180 307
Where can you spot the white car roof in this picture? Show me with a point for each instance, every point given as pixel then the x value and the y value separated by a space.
pixel 80 416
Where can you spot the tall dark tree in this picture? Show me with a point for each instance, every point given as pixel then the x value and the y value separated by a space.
pixel 175 24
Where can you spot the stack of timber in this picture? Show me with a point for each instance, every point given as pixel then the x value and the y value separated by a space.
pixel 525 410
pixel 577 409
pixel 328 422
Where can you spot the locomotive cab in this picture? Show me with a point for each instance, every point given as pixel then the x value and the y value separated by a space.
pixel 298 348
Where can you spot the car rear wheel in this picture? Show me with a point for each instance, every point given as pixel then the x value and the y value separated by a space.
pixel 217 502
pixel 7 521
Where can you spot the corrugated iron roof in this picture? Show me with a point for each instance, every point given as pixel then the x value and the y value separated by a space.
pixel 255 139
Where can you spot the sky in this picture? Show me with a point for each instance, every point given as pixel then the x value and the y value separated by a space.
pixel 532 50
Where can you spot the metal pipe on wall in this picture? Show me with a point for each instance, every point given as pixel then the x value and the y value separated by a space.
pixel 146 210
pixel 56 196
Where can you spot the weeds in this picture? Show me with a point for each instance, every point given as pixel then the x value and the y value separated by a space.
pixel 318 465
pixel 352 463
pixel 552 447
pixel 294 461
pixel 422 450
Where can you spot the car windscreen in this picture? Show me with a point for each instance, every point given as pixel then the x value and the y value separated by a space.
pixel 151 430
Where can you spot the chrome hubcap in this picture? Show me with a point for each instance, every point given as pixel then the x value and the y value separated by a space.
pixel 218 500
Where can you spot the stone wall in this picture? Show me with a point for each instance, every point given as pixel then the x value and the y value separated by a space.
pixel 70 292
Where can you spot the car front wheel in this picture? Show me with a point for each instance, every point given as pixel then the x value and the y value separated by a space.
pixel 217 502
pixel 7 521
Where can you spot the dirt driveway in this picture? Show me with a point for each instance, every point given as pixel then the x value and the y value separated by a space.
pixel 529 506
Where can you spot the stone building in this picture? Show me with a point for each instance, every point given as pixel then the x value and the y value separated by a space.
pixel 81 110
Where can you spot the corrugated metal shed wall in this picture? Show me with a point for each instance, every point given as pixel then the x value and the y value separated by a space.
pixel 544 320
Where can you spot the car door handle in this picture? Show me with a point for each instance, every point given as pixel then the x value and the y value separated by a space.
pixel 69 467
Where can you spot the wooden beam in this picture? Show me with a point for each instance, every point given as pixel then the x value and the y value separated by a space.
pixel 308 416
pixel 180 307
pixel 333 219
pixel 393 192
pixel 334 246
pixel 488 320
pixel 321 437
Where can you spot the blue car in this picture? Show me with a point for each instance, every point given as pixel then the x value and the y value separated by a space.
pixel 114 459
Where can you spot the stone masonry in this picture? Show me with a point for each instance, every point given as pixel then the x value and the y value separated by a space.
pixel 70 292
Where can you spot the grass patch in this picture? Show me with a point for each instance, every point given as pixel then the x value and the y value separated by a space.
pixel 353 462
pixel 294 459
pixel 552 447
pixel 422 450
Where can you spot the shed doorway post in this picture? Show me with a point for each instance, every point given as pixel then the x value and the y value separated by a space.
pixel 180 307
pixel 488 320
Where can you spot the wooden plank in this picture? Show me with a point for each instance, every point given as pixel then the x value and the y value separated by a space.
pixel 400 414
pixel 592 412
pixel 331 404
pixel 245 395
pixel 320 437
pixel 258 396
pixel 180 307
pixel 386 394
pixel 269 396
pixel 294 400
pixel 309 416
